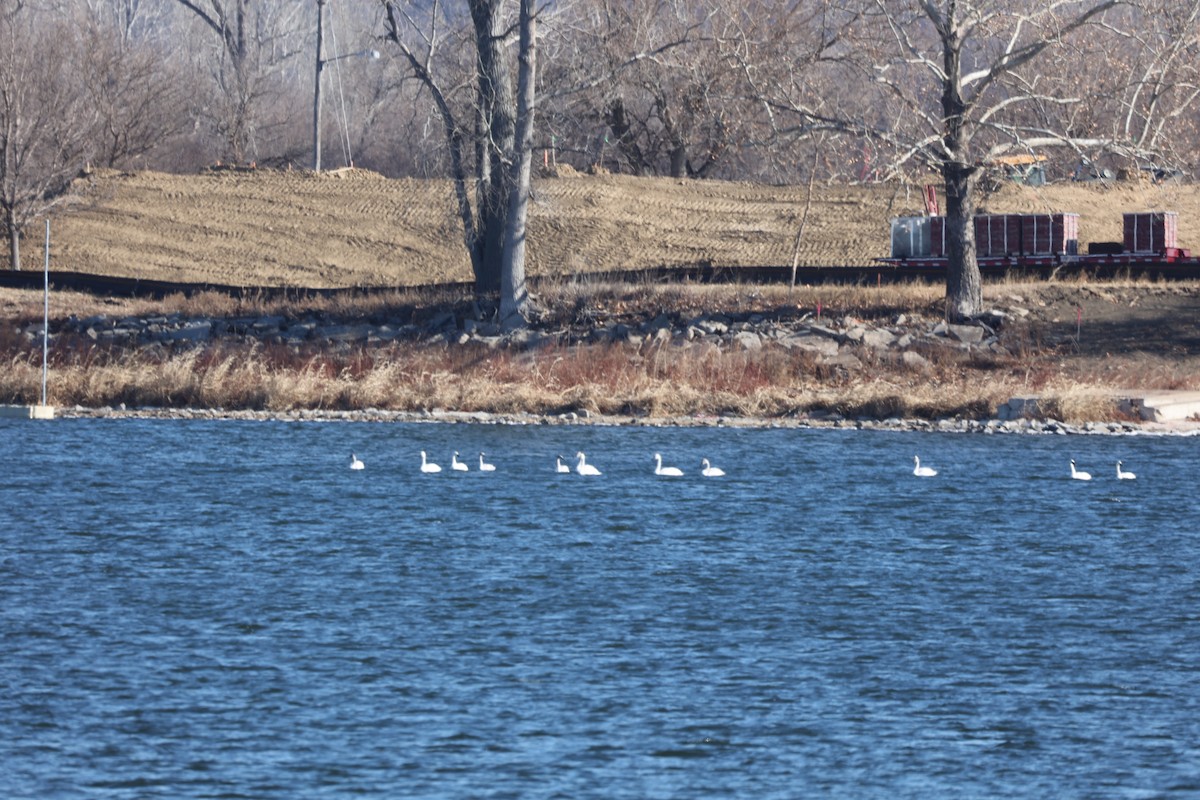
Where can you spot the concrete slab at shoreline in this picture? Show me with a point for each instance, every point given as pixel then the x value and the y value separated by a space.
pixel 26 412
pixel 1150 405
pixel 1164 406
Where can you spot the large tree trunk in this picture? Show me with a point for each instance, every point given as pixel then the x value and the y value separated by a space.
pixel 679 165
pixel 14 241
pixel 495 232
pixel 617 118
pixel 964 285
pixel 514 297
pixel 497 137
pixel 678 149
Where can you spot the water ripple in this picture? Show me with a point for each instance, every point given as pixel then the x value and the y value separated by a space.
pixel 218 609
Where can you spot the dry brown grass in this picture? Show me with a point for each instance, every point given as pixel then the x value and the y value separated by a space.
pixel 610 379
pixel 554 297
pixel 562 296
pixel 657 380
pixel 603 379
pixel 26 305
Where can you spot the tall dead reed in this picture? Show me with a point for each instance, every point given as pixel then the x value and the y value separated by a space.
pixel 613 379
pixel 661 379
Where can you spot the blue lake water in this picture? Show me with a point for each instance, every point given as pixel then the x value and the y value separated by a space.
pixel 202 609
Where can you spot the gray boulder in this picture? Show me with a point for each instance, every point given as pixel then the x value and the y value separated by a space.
pixel 878 338
pixel 748 340
pixel 967 334
pixel 820 345
pixel 194 331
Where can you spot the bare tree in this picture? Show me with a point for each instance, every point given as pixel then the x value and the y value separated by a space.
pixel 800 91
pixel 140 101
pixel 1160 90
pixel 125 17
pixel 962 73
pixel 256 37
pixel 46 127
pixel 650 74
pixel 481 129
pixel 514 297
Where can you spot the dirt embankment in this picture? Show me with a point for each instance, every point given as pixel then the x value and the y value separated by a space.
pixel 356 228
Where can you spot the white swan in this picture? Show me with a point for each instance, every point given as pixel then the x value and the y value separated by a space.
pixel 457 465
pixel 559 466
pixel 1078 475
pixel 484 466
pixel 709 471
pixel 659 469
pixel 584 468
pixel 922 472
pixel 1122 475
pixel 355 463
pixel 427 466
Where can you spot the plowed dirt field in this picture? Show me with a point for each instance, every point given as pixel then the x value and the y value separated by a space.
pixel 356 228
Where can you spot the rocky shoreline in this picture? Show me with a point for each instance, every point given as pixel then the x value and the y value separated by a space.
pixel 830 421
pixel 833 341
pixel 905 342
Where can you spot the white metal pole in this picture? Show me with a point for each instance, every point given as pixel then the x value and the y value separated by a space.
pixel 46 315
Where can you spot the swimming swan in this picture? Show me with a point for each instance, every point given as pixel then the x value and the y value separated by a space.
pixel 709 471
pixel 583 468
pixel 355 463
pixel 428 466
pixel 1077 475
pixel 484 466
pixel 659 469
pixel 1122 475
pixel 457 465
pixel 922 472
pixel 560 467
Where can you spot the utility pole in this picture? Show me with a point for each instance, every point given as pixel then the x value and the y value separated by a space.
pixel 317 86
pixel 321 62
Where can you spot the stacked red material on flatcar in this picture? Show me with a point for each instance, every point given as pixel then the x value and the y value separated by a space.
pixel 1151 231
pixel 998 235
pixel 1050 234
pixel 937 237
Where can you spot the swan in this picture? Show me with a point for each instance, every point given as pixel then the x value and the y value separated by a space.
pixel 427 466
pixel 1078 475
pixel 457 465
pixel 1122 475
pixel 922 472
pixel 659 469
pixel 584 468
pixel 484 466
pixel 709 471
pixel 355 463
pixel 559 466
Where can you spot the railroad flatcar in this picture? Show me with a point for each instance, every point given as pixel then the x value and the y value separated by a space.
pixel 1016 241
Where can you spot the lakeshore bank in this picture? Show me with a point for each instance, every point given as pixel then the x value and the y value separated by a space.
pixel 678 354
pixel 817 422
